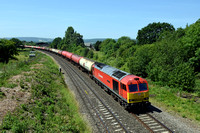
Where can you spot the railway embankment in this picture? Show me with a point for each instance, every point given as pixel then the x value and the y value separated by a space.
pixel 34 97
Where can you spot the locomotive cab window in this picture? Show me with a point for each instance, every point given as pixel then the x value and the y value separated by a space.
pixel 123 86
pixel 143 87
pixel 133 88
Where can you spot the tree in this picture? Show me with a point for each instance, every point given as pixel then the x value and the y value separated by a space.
pixel 7 50
pixel 97 45
pixel 56 42
pixel 17 42
pixel 191 44
pixel 72 39
pixel 90 54
pixel 139 62
pixel 109 47
pixel 151 32
pixel 126 41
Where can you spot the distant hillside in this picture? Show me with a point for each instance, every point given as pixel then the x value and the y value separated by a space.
pixel 94 40
pixel 38 39
pixel 34 39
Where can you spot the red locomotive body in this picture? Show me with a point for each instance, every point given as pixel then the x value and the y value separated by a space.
pixel 126 88
pixel 76 58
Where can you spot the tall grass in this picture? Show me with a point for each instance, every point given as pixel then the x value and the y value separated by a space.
pixel 15 66
pixel 52 107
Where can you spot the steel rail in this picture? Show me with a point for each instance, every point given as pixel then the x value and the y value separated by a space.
pixel 64 65
pixel 156 123
pixel 99 99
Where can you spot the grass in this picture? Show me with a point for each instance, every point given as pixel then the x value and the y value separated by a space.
pixel 166 97
pixel 52 107
pixel 14 67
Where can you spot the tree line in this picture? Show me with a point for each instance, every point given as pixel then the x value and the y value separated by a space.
pixel 8 48
pixel 72 42
pixel 160 52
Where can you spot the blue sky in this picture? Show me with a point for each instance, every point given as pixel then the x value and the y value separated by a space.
pixel 92 18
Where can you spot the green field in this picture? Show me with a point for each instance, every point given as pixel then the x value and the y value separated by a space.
pixel 51 106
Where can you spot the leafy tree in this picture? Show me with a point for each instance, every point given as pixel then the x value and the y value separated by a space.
pixel 168 66
pixel 71 38
pixel 109 47
pixel 78 40
pixel 90 54
pixel 17 42
pixel 97 45
pixel 182 76
pixel 191 44
pixel 124 40
pixel 125 49
pixel 7 50
pixel 56 42
pixel 151 32
pixel 84 52
pixel 139 62
pixel 69 35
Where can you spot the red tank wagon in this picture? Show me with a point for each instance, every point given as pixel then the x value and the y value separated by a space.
pixel 76 58
pixel 68 55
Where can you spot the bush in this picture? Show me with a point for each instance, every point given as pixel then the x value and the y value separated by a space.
pixel 182 76
pixel 90 54
pixel 139 62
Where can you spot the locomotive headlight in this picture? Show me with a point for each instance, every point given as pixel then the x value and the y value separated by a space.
pixel 130 100
pixel 146 98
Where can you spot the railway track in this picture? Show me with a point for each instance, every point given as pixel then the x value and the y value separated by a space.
pixel 108 119
pixel 95 105
pixel 151 123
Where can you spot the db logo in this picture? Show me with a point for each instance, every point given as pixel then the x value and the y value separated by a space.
pixel 100 75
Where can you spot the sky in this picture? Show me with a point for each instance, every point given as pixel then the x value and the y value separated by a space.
pixel 92 18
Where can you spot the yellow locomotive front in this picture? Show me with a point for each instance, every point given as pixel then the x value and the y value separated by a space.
pixel 137 92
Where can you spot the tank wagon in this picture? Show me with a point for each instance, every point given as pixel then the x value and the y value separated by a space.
pixel 55 51
pixel 76 59
pixel 128 89
pixel 86 65
pixel 66 54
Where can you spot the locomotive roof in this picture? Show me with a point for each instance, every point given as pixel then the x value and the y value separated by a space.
pixel 111 71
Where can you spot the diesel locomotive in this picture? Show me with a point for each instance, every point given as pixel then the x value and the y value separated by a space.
pixel 129 90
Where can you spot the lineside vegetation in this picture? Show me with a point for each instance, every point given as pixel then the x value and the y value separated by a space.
pixel 51 107
pixel 170 60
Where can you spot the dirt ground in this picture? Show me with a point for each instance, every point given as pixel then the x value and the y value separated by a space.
pixel 15 96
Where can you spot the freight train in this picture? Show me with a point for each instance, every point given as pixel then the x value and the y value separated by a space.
pixel 129 90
